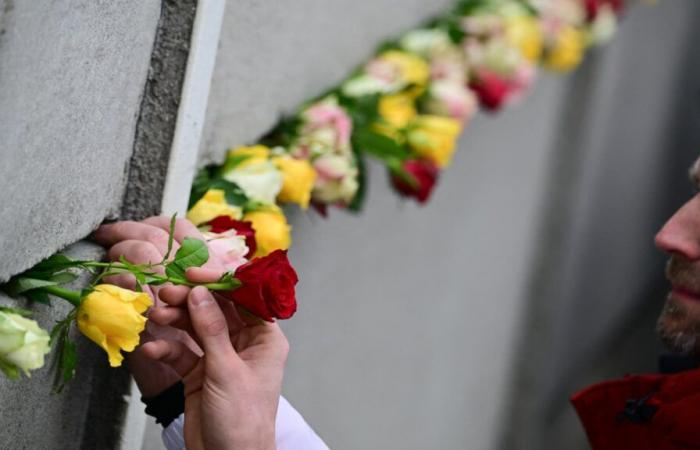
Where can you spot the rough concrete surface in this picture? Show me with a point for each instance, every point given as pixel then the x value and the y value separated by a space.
pixel 87 414
pixel 156 125
pixel 275 55
pixel 71 74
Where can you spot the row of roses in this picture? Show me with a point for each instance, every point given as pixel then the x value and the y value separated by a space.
pixel 406 107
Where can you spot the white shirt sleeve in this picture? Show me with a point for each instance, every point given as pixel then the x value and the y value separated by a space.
pixel 291 431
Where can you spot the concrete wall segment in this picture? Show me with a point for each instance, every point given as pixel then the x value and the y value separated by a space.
pixel 71 77
pixel 275 55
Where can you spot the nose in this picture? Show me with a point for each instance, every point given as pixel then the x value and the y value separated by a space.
pixel 681 234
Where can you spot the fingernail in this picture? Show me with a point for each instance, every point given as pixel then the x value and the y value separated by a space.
pixel 200 296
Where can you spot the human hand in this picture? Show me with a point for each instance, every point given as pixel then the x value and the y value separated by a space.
pixel 142 243
pixel 232 391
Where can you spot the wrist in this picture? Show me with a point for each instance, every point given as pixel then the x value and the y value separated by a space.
pixel 261 439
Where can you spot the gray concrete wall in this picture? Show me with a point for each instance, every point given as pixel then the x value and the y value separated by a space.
pixel 72 74
pixel 407 315
pixel 89 94
pixel 275 55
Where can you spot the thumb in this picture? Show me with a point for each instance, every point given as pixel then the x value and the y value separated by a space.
pixel 210 326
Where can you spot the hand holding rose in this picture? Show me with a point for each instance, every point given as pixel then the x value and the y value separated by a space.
pixel 234 387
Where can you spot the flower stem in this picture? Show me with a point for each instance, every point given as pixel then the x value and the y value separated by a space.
pixel 216 286
pixel 71 296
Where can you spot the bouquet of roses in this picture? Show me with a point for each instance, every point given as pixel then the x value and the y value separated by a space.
pixel 113 317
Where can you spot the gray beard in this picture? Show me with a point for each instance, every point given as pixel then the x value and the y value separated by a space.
pixel 678 339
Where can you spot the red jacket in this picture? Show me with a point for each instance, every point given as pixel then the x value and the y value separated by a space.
pixel 642 412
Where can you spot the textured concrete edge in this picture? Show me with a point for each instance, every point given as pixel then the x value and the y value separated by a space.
pixel 183 161
pixel 155 128
pixel 193 105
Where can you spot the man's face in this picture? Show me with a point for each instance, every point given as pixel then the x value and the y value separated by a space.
pixel 679 322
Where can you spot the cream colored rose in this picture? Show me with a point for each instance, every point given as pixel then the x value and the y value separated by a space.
pixel 23 344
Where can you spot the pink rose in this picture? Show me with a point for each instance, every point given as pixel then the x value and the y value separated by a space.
pixel 228 247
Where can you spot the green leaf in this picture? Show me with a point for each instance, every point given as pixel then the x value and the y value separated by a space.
pixel 364 110
pixel 14 310
pixel 63 277
pixel 66 356
pixel 19 285
pixel 38 296
pixel 55 263
pixel 378 145
pixel 359 198
pixel 192 253
pixel 232 161
pixel 10 371
pixel 69 359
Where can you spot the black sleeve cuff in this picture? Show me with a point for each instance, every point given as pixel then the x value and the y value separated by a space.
pixel 168 405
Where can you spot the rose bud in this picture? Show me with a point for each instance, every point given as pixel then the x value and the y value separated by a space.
pixel 417 180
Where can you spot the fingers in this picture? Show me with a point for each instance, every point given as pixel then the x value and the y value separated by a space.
pixel 173 353
pixel 210 327
pixel 113 233
pixel 125 280
pixel 173 295
pixel 204 275
pixel 271 336
pixel 183 227
pixel 136 252
pixel 173 317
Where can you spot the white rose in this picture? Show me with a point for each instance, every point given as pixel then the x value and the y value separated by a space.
pixel 23 344
pixel 261 181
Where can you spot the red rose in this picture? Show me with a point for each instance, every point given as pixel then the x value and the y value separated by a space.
pixel 225 223
pixel 593 7
pixel 493 90
pixel 267 287
pixel 424 175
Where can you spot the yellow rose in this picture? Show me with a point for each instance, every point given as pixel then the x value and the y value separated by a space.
pixel 271 230
pixel 434 137
pixel 524 32
pixel 567 51
pixel 298 178
pixel 397 109
pixel 112 318
pixel 212 205
pixel 254 154
pixel 412 69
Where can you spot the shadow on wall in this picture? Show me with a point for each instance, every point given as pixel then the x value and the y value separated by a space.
pixel 598 285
